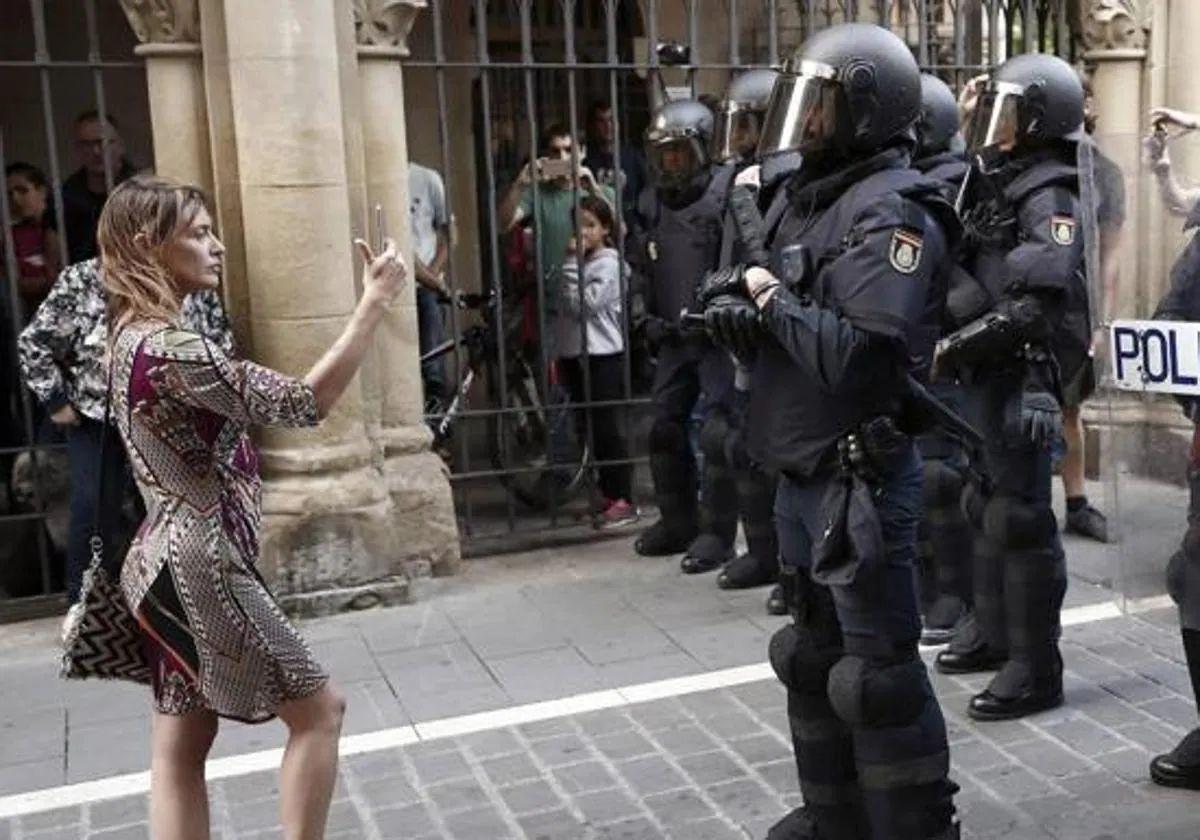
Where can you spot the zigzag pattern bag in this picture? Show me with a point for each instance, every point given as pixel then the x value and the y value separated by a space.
pixel 101 639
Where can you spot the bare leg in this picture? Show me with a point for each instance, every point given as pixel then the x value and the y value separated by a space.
pixel 178 796
pixel 1072 464
pixel 309 770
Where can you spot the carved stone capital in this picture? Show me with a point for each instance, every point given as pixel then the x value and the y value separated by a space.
pixel 164 21
pixel 385 23
pixel 1112 25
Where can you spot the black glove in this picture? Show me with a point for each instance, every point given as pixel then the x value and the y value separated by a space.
pixel 658 331
pixel 722 282
pixel 1041 417
pixel 733 323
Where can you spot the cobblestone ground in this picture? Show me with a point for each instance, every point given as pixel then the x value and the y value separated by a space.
pixel 560 622
pixel 716 765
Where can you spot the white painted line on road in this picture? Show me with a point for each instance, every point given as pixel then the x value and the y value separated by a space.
pixel 515 715
pixel 132 784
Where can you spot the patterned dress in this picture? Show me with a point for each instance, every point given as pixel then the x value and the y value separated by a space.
pixel 214 637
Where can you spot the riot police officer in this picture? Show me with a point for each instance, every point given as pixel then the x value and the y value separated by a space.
pixel 1025 245
pixel 1181 766
pixel 945 536
pixel 679 217
pixel 857 252
pixel 735 141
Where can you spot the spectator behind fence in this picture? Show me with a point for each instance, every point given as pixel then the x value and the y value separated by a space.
pixel 630 176
pixel 555 219
pixel 594 306
pixel 1180 200
pixel 430 226
pixel 98 148
pixel 553 227
pixel 35 241
pixel 62 362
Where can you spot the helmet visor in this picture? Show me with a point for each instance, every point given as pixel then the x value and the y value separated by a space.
pixel 995 125
pixel 803 112
pixel 674 159
pixel 737 132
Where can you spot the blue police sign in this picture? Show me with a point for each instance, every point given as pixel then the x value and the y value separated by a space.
pixel 1161 356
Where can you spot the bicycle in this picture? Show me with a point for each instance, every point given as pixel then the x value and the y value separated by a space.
pixel 518 419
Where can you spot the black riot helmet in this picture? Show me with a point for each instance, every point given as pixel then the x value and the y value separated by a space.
pixel 740 118
pixel 677 143
pixel 1029 101
pixel 937 126
pixel 849 89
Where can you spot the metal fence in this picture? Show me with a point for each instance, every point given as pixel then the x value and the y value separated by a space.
pixel 58 60
pixel 521 450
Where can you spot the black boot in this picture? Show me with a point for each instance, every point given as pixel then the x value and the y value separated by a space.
pixel 747 571
pixel 756 501
pixel 949 545
pixel 1181 766
pixel 661 540
pixel 705 553
pixel 673 468
pixel 1031 680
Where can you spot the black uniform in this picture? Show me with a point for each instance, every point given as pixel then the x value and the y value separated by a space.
pixel 1023 242
pixel 945 536
pixel 867 245
pixel 723 442
pixel 682 236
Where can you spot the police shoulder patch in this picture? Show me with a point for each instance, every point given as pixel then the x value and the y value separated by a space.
pixel 905 251
pixel 1062 229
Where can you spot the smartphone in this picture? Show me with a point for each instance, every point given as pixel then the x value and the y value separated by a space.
pixel 551 169
pixel 380 230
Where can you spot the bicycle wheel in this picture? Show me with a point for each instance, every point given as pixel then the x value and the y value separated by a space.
pixel 522 437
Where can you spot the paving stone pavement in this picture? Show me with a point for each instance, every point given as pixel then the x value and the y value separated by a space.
pixel 714 764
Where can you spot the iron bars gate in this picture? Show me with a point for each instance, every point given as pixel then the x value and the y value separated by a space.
pixel 74 96
pixel 495 75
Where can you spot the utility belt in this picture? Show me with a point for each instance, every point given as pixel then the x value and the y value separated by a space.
pixel 873 451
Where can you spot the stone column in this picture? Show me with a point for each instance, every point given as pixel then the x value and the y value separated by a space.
pixel 328 539
pixel 1113 34
pixel 423 508
pixel 170 42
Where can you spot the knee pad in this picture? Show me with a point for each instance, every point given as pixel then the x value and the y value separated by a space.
pixel 1183 570
pixel 713 437
pixel 943 485
pixel 1017 524
pixel 799 663
pixel 666 436
pixel 868 693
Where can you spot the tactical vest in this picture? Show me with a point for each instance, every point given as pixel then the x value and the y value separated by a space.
pixel 991 232
pixel 790 428
pixel 682 245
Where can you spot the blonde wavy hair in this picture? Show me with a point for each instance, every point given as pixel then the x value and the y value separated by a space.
pixel 139 284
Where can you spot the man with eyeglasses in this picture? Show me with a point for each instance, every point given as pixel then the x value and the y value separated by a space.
pixel 99 149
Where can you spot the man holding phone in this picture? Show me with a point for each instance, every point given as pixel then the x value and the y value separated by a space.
pixel 552 214
pixel 550 175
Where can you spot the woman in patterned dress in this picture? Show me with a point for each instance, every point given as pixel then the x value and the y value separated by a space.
pixel 215 640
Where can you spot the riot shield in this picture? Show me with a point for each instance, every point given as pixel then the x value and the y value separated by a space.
pixel 1150 364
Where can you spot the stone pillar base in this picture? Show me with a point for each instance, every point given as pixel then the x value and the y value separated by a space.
pixel 389 592
pixel 423 513
pixel 329 531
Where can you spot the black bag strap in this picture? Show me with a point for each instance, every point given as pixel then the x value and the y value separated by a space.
pixel 96 541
